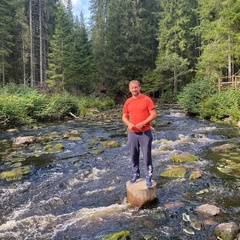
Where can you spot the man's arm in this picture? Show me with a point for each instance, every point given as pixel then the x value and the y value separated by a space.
pixel 126 121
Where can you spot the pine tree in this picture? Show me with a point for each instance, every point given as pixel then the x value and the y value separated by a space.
pixel 21 44
pixel 175 43
pixel 220 36
pixel 56 67
pixel 124 44
pixel 6 36
pixel 81 69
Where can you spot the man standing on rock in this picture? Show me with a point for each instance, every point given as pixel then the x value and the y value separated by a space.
pixel 138 112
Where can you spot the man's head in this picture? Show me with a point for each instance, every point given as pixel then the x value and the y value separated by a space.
pixel 134 88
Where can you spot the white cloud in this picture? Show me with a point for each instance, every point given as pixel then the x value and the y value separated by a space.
pixel 81 5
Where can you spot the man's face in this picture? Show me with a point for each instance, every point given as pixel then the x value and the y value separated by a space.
pixel 134 88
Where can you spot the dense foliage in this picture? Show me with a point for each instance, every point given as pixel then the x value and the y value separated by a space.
pixel 201 99
pixel 23 105
pixel 166 44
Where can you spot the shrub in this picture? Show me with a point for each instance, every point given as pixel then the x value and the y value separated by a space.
pixel 59 106
pixel 192 95
pixel 13 110
pixel 87 103
pixel 222 105
pixel 22 105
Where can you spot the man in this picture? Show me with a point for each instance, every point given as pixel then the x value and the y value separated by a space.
pixel 138 112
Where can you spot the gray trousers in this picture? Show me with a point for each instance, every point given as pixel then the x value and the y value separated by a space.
pixel 143 141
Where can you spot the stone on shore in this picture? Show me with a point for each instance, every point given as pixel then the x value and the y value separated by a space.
pixel 139 195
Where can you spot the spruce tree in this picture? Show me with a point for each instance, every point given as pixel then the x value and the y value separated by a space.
pixel 175 43
pixel 6 36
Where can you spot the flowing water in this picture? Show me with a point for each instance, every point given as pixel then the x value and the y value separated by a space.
pixel 75 194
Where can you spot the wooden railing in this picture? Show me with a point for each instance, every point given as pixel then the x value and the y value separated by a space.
pixel 233 81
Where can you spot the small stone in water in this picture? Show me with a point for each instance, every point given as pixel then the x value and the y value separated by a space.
pixel 196 225
pixel 189 231
pixel 186 217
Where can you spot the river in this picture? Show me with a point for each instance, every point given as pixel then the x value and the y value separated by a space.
pixel 78 194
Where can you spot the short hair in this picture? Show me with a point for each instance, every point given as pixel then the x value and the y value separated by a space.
pixel 135 81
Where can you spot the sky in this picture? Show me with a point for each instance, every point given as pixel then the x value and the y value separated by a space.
pixel 81 5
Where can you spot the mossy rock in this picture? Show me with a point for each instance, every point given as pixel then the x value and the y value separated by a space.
pixel 15 174
pixel 97 151
pixel 93 142
pixel 48 147
pixel 110 144
pixel 59 147
pixel 195 174
pixel 178 172
pixel 230 168
pixel 227 231
pixel 123 235
pixel 184 157
pixel 225 148
pixel 74 138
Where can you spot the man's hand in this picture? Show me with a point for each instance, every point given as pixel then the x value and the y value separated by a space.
pixel 130 126
pixel 139 125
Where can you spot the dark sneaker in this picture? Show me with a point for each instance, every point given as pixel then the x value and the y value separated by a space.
pixel 134 178
pixel 148 182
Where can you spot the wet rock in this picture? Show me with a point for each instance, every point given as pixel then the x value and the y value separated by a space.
pixel 97 151
pixel 174 205
pixel 223 148
pixel 184 157
pixel 44 139
pixel 227 231
pixel 209 222
pixel 196 224
pixel 195 174
pixel 59 147
pixel 110 144
pixel 178 172
pixel 208 209
pixel 15 174
pixel 162 124
pixel 139 195
pixel 53 149
pixel 65 135
pixel 72 135
pixel 229 167
pixel 149 224
pixel 186 217
pixel 75 133
pixel 24 140
pixel 202 191
pixel 123 235
pixel 188 231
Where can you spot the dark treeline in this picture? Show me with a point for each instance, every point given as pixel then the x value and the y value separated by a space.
pixel 163 43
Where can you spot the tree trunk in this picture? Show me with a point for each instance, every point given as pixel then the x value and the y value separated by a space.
pixel 31 45
pixel 40 44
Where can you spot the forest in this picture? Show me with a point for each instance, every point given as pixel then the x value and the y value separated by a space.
pixel 177 48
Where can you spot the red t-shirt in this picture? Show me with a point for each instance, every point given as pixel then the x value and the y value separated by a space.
pixel 138 110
